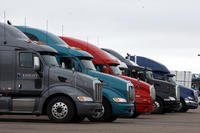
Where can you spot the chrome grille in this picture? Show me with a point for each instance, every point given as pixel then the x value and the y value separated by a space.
pixel 196 96
pixel 130 94
pixel 178 92
pixel 98 92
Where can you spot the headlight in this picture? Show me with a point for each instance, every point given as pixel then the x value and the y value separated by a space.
pixel 119 100
pixel 84 99
pixel 190 98
pixel 153 92
pixel 172 98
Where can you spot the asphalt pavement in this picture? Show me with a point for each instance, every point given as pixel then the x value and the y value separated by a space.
pixel 168 123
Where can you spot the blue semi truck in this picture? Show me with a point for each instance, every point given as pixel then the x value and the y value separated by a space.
pixel 188 96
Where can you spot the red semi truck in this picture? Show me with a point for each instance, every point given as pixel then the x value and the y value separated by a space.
pixel 144 93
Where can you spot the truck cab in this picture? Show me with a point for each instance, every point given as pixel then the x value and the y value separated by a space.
pixel 188 97
pixel 144 93
pixel 165 92
pixel 32 82
pixel 117 93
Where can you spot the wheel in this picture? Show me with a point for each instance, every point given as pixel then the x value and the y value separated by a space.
pixel 135 115
pixel 182 106
pixel 78 119
pixel 105 115
pixel 158 106
pixel 61 109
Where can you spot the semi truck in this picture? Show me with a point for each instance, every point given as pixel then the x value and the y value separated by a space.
pixel 117 93
pixel 188 97
pixel 31 82
pixel 167 96
pixel 144 93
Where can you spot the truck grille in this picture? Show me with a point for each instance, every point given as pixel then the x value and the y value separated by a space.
pixel 196 96
pixel 98 92
pixel 178 92
pixel 130 94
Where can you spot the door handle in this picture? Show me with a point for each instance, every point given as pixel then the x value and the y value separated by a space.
pixel 18 75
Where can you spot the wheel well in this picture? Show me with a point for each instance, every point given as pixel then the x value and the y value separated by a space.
pixel 104 98
pixel 44 108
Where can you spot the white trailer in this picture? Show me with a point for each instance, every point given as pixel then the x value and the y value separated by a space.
pixel 183 77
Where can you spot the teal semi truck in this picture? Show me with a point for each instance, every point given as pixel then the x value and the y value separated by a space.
pixel 117 93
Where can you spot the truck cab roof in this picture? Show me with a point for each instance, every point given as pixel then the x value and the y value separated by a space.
pixel 95 51
pixel 154 65
pixel 53 41
pixel 10 33
pixel 11 36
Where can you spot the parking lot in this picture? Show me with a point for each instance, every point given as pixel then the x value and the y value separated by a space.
pixel 168 123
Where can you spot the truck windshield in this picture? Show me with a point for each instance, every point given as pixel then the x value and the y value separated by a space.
pixel 50 60
pixel 116 70
pixel 88 64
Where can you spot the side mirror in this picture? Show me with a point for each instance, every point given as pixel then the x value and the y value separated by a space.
pixel 36 63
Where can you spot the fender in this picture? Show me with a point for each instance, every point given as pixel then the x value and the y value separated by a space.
pixel 110 93
pixel 69 91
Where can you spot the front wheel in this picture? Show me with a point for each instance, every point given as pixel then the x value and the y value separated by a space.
pixel 158 106
pixel 61 109
pixel 182 106
pixel 135 115
pixel 105 115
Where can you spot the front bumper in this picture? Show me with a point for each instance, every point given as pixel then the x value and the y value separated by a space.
pixel 122 109
pixel 191 104
pixel 171 104
pixel 144 107
pixel 88 108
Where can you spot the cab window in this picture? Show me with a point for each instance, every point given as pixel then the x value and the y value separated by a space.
pixel 26 60
pixel 67 63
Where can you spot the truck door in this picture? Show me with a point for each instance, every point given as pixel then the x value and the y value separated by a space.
pixel 28 81
pixel 28 84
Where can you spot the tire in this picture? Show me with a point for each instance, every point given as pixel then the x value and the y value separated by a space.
pixel 61 109
pixel 159 107
pixel 135 115
pixel 106 115
pixel 183 108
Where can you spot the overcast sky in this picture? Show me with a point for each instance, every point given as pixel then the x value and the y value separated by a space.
pixel 165 30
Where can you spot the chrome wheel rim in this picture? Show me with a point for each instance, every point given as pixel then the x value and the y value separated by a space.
pixel 59 110
pixel 99 114
pixel 156 106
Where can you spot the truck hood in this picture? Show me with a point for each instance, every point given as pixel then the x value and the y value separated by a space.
pixel 111 81
pixel 83 82
pixel 138 84
pixel 186 91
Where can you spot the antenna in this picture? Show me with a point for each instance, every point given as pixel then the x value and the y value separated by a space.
pixel 62 30
pixel 87 42
pixel 25 23
pixel 97 40
pixel 4 28
pixel 46 31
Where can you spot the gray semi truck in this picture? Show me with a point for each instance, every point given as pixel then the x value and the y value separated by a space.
pixel 32 82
